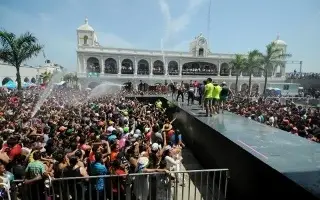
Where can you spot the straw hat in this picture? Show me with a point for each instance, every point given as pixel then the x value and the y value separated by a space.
pixel 167 127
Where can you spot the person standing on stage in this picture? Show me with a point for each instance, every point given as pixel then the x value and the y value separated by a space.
pixel 201 93
pixel 216 97
pixel 181 91
pixel 224 94
pixel 191 94
pixel 208 91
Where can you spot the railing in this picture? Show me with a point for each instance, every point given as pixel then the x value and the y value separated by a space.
pixel 192 185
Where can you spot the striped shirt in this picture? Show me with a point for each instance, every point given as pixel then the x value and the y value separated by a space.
pixel 35 169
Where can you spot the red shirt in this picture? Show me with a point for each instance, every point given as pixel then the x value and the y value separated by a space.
pixel 92 158
pixel 116 180
pixel 14 151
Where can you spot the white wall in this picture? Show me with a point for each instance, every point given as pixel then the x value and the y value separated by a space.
pixel 10 72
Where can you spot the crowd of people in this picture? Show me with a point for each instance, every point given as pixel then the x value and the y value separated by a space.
pixel 296 75
pixel 73 136
pixel 281 113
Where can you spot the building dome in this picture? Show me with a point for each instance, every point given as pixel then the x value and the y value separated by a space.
pixel 85 26
pixel 280 42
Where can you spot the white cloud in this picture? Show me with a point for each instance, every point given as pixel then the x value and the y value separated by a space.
pixel 112 40
pixel 182 46
pixel 176 25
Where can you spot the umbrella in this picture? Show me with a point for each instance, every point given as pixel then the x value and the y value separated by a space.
pixel 25 84
pixel 11 85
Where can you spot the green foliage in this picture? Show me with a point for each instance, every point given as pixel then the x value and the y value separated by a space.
pixel 16 50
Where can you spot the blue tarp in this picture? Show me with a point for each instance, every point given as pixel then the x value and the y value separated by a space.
pixel 10 85
pixel 13 85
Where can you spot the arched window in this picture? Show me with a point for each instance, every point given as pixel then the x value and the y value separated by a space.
pixel 201 52
pixel 85 39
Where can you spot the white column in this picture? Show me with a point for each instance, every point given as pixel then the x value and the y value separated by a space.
pixel 84 65
pixel 180 67
pixel 165 67
pixel 119 65
pixel 102 65
pixel 151 67
pixel 135 66
pixel 219 66
pixel 79 70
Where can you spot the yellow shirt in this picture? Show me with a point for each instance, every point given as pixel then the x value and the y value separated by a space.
pixel 216 91
pixel 208 90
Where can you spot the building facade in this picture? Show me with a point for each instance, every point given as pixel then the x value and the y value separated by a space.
pixel 28 73
pixel 97 64
pixel 8 72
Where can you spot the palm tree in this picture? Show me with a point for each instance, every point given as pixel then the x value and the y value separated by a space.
pixel 16 50
pixel 46 76
pixel 238 64
pixel 252 62
pixel 75 79
pixel 274 56
pixel 67 77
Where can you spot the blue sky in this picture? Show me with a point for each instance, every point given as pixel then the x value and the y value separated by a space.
pixel 237 26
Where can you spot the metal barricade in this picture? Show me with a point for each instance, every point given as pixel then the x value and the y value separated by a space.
pixel 208 184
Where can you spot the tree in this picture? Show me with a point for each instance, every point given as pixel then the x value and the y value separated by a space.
pixel 46 77
pixel 68 77
pixel 75 79
pixel 16 50
pixel 238 65
pixel 273 56
pixel 252 62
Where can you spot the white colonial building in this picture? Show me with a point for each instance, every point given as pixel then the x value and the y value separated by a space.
pixel 28 73
pixel 8 72
pixel 97 63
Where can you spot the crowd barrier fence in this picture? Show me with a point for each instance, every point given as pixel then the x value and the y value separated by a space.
pixel 210 184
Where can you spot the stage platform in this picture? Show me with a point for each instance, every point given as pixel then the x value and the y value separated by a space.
pixel 296 158
pixel 264 162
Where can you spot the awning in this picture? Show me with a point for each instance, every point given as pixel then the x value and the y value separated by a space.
pixel 61 83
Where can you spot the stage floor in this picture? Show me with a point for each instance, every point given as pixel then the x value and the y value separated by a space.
pixel 295 157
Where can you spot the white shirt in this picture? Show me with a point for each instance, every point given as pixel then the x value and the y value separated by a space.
pixel 171 163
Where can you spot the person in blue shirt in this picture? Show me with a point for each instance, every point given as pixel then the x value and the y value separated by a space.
pixel 98 169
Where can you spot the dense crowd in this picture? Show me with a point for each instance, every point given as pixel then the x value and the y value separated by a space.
pixel 277 112
pixel 296 75
pixel 73 136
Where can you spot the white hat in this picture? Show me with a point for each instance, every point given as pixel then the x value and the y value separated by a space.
pixel 167 148
pixel 146 130
pixel 110 129
pixel 143 161
pixel 137 132
pixel 155 147
pixel 120 129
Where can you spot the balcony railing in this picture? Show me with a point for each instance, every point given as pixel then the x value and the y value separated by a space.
pixel 158 72
pixel 192 184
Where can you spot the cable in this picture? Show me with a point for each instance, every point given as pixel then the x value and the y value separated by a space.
pixel 209 22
